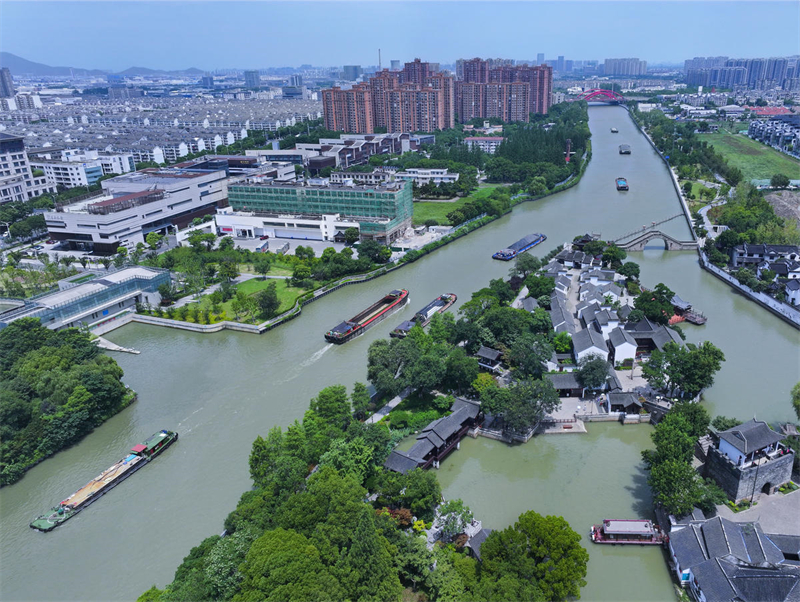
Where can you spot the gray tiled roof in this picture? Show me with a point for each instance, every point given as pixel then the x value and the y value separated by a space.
pixel 751 436
pixel 401 462
pixel 564 380
pixel 620 336
pixel 588 338
pixel 476 541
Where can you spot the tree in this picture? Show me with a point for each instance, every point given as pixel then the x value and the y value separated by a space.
pixel 360 400
pixel 421 493
pixel 331 404
pixel 262 264
pixel 353 458
pixel 779 181
pixel 796 400
pixel 675 484
pixel 525 265
pixel 374 251
pixel 562 342
pixel 284 565
pixel 696 416
pixel 200 240
pixel 267 300
pixel 301 273
pixel 454 517
pixel 529 353
pixel 593 372
pixel 723 423
pixel 460 369
pixel 225 243
pixel 153 240
pixel 228 269
pixel 630 270
pixel 372 574
pixel 351 235
pixel 538 550
pixel 613 255
pixel 656 304
pixel 522 405
pixel 539 285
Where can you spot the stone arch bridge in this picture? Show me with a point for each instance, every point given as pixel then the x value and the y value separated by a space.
pixel 638 242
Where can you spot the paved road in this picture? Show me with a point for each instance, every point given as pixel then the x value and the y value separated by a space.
pixel 777 513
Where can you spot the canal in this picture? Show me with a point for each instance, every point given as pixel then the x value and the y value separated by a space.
pixel 222 390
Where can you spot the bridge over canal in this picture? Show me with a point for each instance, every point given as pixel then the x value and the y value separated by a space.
pixel 637 242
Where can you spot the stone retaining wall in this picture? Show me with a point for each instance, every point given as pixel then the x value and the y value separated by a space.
pixel 744 483
pixel 782 310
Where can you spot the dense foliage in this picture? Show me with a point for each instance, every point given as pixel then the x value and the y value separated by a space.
pixel 675 483
pixel 535 156
pixel 55 387
pixel 683 370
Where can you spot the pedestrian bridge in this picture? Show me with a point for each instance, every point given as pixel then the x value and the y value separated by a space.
pixel 639 241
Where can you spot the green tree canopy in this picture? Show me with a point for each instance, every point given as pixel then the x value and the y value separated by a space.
pixel 541 550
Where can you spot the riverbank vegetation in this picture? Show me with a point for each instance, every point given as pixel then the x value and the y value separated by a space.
pixel 326 521
pixel 55 387
pixel 690 156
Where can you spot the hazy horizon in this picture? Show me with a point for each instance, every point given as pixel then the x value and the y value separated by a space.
pixel 221 35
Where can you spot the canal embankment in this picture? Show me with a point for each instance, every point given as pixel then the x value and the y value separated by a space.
pixel 783 310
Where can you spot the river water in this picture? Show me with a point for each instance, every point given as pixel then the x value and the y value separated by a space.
pixel 221 390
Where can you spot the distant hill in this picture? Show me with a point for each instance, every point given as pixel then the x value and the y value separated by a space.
pixel 20 66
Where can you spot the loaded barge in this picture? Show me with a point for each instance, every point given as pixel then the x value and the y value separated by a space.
pixel 640 532
pixel 139 456
pixel 520 246
pixel 622 184
pixel 423 316
pixel 356 325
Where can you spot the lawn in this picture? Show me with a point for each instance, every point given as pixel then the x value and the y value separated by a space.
pixel 274 270
pixel 425 210
pixel 287 295
pixel 756 160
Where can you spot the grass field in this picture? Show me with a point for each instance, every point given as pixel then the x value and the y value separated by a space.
pixel 425 210
pixel 757 161
pixel 287 295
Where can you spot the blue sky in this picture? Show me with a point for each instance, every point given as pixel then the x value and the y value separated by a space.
pixel 212 35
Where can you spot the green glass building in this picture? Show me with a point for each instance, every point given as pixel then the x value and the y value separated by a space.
pixel 383 212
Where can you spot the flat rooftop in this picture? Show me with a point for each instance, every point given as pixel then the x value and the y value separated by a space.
pixel 382 187
pixel 102 282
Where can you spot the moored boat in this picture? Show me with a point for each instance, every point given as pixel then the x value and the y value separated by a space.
pixel 139 456
pixel 349 329
pixel 628 531
pixel 520 246
pixel 441 304
pixel 622 184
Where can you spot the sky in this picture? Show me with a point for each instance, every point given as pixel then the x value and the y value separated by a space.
pixel 216 35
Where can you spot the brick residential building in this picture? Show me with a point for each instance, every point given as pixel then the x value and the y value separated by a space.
pixel 415 99
pixel 507 92
pixel 349 110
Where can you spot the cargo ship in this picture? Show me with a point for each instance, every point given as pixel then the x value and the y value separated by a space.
pixel 139 456
pixel 353 327
pixel 622 184
pixel 639 532
pixel 624 149
pixel 520 246
pixel 423 316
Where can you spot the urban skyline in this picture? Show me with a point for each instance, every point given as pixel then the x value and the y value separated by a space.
pixel 505 31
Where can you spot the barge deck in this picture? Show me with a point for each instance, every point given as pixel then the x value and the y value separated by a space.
pixel 375 313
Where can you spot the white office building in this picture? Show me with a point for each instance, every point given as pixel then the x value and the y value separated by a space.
pixel 133 205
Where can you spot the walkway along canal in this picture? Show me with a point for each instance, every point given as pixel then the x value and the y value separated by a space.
pixel 222 390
